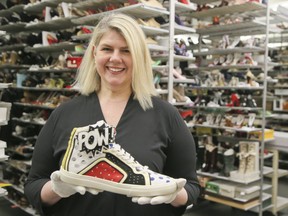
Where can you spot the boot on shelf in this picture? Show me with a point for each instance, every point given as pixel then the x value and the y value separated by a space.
pixel 229 159
pixel 251 159
pixel 243 153
pixel 207 161
pixel 200 157
pixel 210 157
pixel 213 165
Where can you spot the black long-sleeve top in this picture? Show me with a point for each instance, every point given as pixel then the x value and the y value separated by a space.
pixel 157 138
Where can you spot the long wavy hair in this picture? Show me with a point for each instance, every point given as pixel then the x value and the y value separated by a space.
pixel 143 87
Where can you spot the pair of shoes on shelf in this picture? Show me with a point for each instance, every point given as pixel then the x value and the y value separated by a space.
pixel 179 95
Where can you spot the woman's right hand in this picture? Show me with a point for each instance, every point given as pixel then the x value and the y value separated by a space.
pixel 64 189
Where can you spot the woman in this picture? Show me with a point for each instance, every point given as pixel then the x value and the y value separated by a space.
pixel 116 85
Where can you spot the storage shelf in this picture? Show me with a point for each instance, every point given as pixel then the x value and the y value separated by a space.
pixel 220 67
pixel 43 70
pixel 282 203
pixel 221 11
pixel 52 25
pixel 153 47
pixel 187 81
pixel 202 1
pixel 244 206
pixel 27 122
pixel 281 172
pixel 37 7
pixel 148 30
pixel 138 10
pixel 176 58
pixel 152 31
pixel 83 37
pixel 227 109
pixel 8 12
pixel 13 67
pixel 180 8
pixel 95 4
pixel 248 88
pixel 57 47
pixel 237 199
pixel 244 129
pixel 217 51
pixel 266 197
pixel 162 91
pixel 160 67
pixel 45 89
pixel 13 28
pixel 179 30
pixel 14 47
pixel 242 28
pixel 217 176
pixel 32 105
pixel 183 58
pixel 24 138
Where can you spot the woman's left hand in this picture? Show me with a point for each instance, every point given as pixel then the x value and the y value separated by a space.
pixel 155 200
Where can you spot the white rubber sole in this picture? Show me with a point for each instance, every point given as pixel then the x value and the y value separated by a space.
pixel 120 188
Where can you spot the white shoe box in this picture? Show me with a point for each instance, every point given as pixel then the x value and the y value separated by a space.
pixel 239 192
pixel 4 112
pixel 3 145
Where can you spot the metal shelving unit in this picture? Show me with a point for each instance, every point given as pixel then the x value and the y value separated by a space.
pixel 5 115
pixel 255 26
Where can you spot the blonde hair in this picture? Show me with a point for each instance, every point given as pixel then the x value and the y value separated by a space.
pixel 142 75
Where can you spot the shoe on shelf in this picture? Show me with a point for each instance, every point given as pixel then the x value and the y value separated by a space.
pixel 93 160
pixel 152 3
pixel 153 23
pixel 151 41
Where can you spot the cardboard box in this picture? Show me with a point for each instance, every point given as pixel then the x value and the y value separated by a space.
pixel 237 191
pixel 268 134
pixel 220 187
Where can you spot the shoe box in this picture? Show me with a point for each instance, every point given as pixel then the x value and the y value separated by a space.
pixel 3 145
pixel 5 111
pixel 281 138
pixel 240 192
pixel 268 134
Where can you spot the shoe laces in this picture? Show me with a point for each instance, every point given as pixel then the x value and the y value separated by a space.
pixel 125 156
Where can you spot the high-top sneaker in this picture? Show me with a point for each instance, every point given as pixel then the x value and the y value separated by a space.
pixel 93 160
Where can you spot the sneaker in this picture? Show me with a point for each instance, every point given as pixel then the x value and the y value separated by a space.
pixel 93 160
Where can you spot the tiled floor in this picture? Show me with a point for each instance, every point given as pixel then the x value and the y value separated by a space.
pixel 204 208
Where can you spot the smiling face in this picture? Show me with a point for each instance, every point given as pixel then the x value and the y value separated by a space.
pixel 114 62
